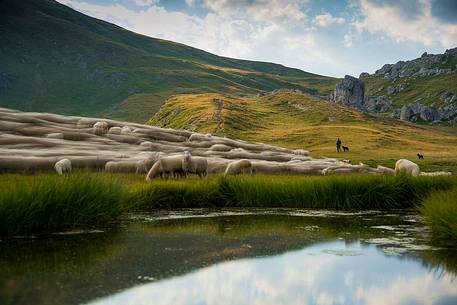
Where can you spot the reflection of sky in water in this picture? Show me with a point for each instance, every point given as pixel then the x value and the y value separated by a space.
pixel 324 274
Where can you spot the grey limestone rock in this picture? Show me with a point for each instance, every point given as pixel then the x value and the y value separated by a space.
pixel 350 92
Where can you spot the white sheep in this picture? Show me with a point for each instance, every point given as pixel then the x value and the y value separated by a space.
pixel 166 165
pixel 194 165
pixel 63 166
pixel 408 167
pixel 100 128
pixel 385 170
pixel 300 152
pixel 126 130
pixel 115 130
pixel 239 167
pixel 220 147
pixel 143 166
pixel 120 166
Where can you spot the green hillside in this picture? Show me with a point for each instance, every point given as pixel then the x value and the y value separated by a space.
pixel 300 121
pixel 53 58
pixel 428 90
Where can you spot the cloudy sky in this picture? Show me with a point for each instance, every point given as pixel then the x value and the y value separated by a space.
pixel 330 37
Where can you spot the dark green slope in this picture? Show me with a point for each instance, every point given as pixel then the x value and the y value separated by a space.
pixel 53 58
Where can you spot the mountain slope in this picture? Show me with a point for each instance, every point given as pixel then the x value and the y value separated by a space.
pixel 297 120
pixel 53 58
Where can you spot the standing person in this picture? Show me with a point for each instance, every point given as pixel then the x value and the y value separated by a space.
pixel 338 145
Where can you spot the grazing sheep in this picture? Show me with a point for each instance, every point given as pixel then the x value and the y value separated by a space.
pixel 155 171
pixel 63 166
pixel 115 130
pixel 166 165
pixel 408 167
pixel 194 165
pixel 126 130
pixel 143 166
pixel 220 147
pixel 239 167
pixel 199 137
pixel 100 128
pixel 385 170
pixel 120 167
pixel 300 152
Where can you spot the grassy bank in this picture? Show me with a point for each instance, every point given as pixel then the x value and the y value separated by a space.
pixel 331 192
pixel 440 212
pixel 47 202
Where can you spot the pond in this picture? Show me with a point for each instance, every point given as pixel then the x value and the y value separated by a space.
pixel 277 256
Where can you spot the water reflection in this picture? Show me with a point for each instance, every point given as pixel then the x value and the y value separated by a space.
pixel 238 257
pixel 325 273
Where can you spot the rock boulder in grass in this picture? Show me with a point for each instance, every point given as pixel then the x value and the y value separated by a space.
pixel 350 92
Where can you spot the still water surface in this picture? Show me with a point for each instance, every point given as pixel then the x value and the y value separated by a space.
pixel 234 257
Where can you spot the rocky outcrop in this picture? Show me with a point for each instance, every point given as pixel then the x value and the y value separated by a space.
pixel 377 104
pixel 416 111
pixel 426 65
pixel 350 92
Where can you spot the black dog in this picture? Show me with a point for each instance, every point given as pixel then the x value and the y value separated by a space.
pixel 345 148
pixel 420 156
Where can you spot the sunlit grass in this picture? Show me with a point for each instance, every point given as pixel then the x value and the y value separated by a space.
pixel 47 202
pixel 440 212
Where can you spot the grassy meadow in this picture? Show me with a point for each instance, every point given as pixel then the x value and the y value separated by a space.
pixel 48 202
pixel 297 120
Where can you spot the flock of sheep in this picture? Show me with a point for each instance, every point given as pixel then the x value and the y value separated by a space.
pixel 32 142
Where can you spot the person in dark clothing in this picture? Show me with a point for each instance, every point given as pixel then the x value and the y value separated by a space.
pixel 338 145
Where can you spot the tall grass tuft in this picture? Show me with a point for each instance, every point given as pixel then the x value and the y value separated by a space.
pixel 440 213
pixel 330 192
pixel 49 202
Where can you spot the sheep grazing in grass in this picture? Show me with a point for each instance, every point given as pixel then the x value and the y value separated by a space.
pixel 63 166
pixel 194 165
pixel 385 170
pixel 242 166
pixel 143 166
pixel 408 167
pixel 171 165
pixel 100 128
pixel 120 167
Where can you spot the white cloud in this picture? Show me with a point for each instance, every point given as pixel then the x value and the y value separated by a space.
pixel 348 40
pixel 190 2
pixel 423 28
pixel 275 30
pixel 327 19
pixel 260 10
pixel 146 2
